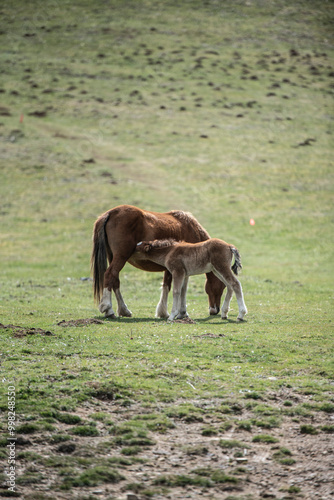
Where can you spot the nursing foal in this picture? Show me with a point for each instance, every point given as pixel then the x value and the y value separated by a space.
pixel 183 259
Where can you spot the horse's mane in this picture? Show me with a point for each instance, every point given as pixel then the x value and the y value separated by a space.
pixel 181 215
pixel 192 221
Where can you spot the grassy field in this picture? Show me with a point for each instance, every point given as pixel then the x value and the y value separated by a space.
pixel 223 109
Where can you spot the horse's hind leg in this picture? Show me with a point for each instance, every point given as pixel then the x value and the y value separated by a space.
pixel 161 310
pixel 111 282
pixel 105 306
pixel 122 309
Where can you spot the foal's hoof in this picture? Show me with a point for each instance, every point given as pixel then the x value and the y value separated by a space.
pixel 162 316
pixel 240 320
pixel 224 317
pixel 182 315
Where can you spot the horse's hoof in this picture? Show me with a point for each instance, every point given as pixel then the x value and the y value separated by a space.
pixel 240 320
pixel 110 316
pixel 125 314
pixel 107 311
pixel 224 317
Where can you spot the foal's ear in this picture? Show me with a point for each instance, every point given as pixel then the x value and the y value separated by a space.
pixel 147 247
pixel 143 246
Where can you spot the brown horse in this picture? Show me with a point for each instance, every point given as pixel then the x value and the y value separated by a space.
pixel 187 259
pixel 116 235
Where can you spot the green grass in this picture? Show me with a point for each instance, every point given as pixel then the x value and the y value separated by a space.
pixel 264 438
pixel 218 109
pixel 93 477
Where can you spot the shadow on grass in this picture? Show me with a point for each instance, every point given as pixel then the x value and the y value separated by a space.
pixel 222 321
pixel 192 321
pixel 122 319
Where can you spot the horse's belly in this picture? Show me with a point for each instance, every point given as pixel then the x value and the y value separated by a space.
pixel 145 265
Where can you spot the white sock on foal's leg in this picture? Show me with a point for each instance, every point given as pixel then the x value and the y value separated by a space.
pixel 227 300
pixel 183 300
pixel 161 310
pixel 241 303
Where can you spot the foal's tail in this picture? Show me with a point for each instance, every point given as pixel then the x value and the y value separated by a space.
pixel 100 253
pixel 237 260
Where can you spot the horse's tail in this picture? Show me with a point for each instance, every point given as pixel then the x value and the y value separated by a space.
pixel 237 260
pixel 100 253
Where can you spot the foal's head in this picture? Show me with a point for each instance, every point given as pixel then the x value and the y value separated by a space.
pixel 147 246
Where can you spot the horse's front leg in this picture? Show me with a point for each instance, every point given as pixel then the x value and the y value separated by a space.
pixel 161 310
pixel 177 287
pixel 214 288
pixel 183 300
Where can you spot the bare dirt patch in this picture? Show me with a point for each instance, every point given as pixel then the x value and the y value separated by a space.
pixel 188 321
pixel 20 331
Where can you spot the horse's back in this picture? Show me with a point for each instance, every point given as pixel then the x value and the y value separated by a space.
pixel 128 221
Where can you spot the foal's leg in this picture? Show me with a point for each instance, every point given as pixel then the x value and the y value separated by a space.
pixel 161 310
pixel 227 301
pixel 183 300
pixel 178 279
pixel 233 285
pixel 240 299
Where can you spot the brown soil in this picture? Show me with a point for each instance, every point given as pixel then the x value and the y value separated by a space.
pixel 20 331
